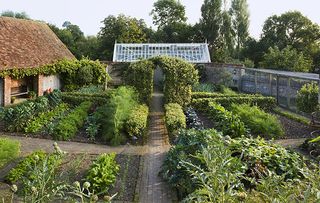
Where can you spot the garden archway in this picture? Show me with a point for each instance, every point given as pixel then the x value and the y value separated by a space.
pixel 179 76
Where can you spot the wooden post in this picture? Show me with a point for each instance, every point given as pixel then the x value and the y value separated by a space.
pixel 255 82
pixel 270 83
pixel 288 92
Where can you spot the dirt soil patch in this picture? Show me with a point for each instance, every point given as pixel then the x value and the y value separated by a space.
pixel 294 129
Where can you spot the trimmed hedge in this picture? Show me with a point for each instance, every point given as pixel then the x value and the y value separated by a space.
pixel 69 125
pixel 175 119
pixel 265 103
pixel 76 98
pixel 137 122
pixel 198 95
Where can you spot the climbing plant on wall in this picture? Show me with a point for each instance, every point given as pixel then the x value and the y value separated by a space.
pixel 178 80
pixel 80 72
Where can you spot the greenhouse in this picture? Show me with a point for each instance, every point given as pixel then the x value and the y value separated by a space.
pixel 193 52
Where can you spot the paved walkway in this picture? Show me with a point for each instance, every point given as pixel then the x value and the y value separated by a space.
pixel 291 143
pixel 151 187
pixel 28 145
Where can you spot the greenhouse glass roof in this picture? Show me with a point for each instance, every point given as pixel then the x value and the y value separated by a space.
pixel 193 52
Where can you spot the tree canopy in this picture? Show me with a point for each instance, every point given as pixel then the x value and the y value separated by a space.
pixel 166 12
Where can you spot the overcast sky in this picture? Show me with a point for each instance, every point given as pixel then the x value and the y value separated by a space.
pixel 89 14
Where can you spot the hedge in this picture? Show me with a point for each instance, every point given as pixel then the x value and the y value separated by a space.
pixel 69 125
pixel 78 98
pixel 10 149
pixel 175 119
pixel 265 103
pixel 137 122
pixel 198 95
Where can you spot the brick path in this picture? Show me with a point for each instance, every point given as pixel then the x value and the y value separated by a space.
pixel 151 187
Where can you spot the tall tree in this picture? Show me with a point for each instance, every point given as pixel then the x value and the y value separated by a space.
pixel 294 29
pixel 211 23
pixel 227 33
pixel 240 22
pixel 167 12
pixel 121 29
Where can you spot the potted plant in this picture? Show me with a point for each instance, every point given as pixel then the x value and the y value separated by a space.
pixel 13 99
pixel 32 94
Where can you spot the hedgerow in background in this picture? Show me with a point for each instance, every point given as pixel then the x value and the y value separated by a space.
pixel 175 119
pixel 140 75
pixel 114 113
pixel 102 173
pixel 10 150
pixel 307 98
pixel 136 123
pixel 179 76
pixel 258 121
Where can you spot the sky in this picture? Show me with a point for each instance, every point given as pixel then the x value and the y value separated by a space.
pixel 89 14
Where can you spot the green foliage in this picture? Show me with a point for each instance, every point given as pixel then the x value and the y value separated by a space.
pixel 17 117
pixel 202 87
pixel 174 118
pixel 76 98
pixel 179 78
pixel 240 22
pixel 10 150
pixel 166 12
pixel 122 29
pixel 188 144
pixel 37 123
pixel 286 59
pixel 102 173
pixel 92 89
pixel 224 120
pixel 258 121
pixel 140 75
pixel 199 95
pixel 92 127
pixel 22 169
pixel 54 97
pixel 265 103
pixel 69 125
pixel 114 113
pixel 39 178
pixel 205 167
pixel 307 98
pixel 136 123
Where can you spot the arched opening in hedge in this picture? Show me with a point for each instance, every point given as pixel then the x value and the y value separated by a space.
pixel 179 76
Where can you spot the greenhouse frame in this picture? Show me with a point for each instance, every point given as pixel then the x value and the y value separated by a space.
pixel 192 52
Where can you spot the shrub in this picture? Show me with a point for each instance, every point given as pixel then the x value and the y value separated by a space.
pixel 203 87
pixel 92 89
pixel 69 125
pixel 10 150
pixel 54 97
pixel 174 118
pixel 258 121
pixel 307 98
pixel 102 173
pixel 36 124
pixel 114 113
pixel 265 103
pixel 136 123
